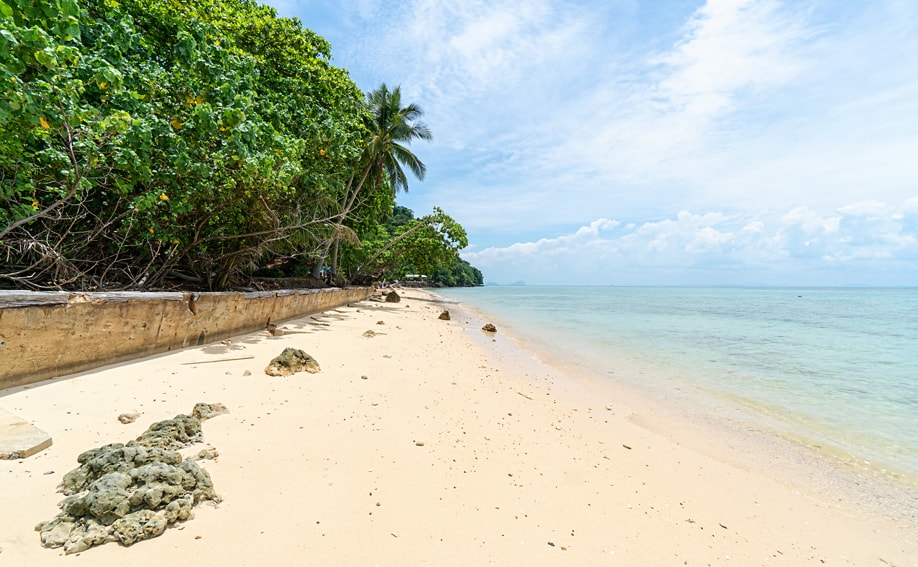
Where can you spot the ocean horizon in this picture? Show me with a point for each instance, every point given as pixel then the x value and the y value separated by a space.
pixel 834 367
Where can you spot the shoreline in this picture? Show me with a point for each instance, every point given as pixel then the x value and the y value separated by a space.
pixel 456 449
pixel 769 441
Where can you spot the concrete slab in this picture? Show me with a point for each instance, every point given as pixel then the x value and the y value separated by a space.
pixel 20 439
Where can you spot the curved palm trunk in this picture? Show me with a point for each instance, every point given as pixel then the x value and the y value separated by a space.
pixel 349 199
pixel 390 123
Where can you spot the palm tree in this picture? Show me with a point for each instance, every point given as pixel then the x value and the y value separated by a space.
pixel 391 127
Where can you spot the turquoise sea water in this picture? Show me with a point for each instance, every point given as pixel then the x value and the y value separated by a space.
pixel 837 367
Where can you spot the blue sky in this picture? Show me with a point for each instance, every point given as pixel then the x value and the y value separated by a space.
pixel 656 142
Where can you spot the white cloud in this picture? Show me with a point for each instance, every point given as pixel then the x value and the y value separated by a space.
pixel 864 208
pixel 714 241
pixel 796 119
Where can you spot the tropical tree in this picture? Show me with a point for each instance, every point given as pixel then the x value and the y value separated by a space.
pixel 391 128
pixel 148 141
pixel 152 144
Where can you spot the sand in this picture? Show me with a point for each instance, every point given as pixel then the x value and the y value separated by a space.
pixel 429 443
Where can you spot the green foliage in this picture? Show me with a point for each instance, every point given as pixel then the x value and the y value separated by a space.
pixel 152 143
pixel 408 245
pixel 145 136
pixel 459 274
pixel 391 127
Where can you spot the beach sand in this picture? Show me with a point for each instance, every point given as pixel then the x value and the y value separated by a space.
pixel 430 443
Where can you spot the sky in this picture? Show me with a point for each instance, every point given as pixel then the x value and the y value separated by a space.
pixel 655 142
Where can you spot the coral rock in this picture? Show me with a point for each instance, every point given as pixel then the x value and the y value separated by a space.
pixel 290 361
pixel 128 493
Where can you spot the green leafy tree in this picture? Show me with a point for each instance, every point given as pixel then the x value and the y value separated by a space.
pixel 418 246
pixel 156 143
pixel 459 274
pixel 148 140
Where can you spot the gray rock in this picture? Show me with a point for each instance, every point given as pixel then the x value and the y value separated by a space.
pixel 126 418
pixel 128 493
pixel 175 433
pixel 204 411
pixel 116 458
pixel 290 361
pixel 207 454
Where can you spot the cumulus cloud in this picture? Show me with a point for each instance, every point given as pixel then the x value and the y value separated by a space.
pixel 800 237
pixel 795 119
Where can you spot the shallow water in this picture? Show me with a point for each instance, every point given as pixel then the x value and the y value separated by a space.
pixel 834 367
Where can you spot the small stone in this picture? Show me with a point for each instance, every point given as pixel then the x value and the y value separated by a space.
pixel 419 443
pixel 444 316
pixel 209 454
pixel 392 297
pixel 489 328
pixel 126 418
pixel 203 411
pixel 380 322
pixel 369 334
pixel 247 373
pixel 364 377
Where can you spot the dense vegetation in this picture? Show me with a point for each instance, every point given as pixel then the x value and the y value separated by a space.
pixel 149 144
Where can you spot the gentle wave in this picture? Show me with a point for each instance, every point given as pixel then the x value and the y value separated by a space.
pixel 835 366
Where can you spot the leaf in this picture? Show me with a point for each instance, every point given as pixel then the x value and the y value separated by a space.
pixel 8 35
pixel 45 58
pixel 44 123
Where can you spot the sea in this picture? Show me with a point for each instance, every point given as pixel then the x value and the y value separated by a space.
pixel 835 368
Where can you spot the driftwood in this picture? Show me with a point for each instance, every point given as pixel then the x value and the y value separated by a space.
pixel 219 360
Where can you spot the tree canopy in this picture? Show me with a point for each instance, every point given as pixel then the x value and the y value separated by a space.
pixel 148 144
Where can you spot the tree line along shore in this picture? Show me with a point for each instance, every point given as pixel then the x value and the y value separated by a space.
pixel 159 144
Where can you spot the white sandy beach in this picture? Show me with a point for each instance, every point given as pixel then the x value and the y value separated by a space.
pixel 426 444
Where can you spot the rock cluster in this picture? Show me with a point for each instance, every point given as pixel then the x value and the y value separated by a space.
pixel 292 360
pixel 134 491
